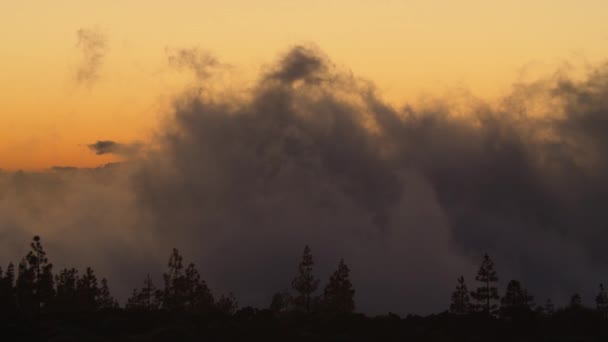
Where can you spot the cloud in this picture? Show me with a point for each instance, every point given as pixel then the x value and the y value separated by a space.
pixel 93 48
pixel 102 147
pixel 410 197
pixel 200 62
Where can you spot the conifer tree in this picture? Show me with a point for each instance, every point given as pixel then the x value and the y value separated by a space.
pixel 549 308
pixel 146 299
pixel 87 291
pixel 338 295
pixel 38 263
pixel 461 303
pixel 227 304
pixel 280 302
pixel 24 287
pixel 576 301
pixel 7 292
pixel 66 299
pixel 516 301
pixel 174 291
pixel 104 298
pixel 198 296
pixel 601 301
pixel 486 294
pixel 305 283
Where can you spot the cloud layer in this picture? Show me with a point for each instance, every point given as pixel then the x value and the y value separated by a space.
pixel 411 197
pixel 93 47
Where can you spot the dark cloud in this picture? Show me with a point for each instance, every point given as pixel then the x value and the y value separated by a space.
pixel 93 47
pixel 411 197
pixel 102 147
pixel 200 62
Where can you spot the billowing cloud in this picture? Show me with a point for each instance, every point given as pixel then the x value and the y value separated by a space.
pixel 410 197
pixel 93 47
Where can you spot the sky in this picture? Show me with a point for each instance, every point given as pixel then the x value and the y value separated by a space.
pixel 409 49
pixel 407 137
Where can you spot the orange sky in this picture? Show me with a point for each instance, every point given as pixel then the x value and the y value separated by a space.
pixel 407 47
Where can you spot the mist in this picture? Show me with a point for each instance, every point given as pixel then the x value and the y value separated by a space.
pixel 410 197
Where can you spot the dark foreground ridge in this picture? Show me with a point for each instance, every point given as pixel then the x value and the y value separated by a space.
pixel 36 304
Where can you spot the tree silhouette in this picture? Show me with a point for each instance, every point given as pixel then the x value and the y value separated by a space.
pixel 486 294
pixel 7 292
pixel 575 301
pixel 516 302
pixel 338 295
pixel 461 303
pixel 146 299
pixel 25 296
pixel 280 302
pixel 305 283
pixel 104 298
pixel 184 289
pixel 67 296
pixel 227 304
pixel 549 308
pixel 198 295
pixel 601 301
pixel 38 263
pixel 87 291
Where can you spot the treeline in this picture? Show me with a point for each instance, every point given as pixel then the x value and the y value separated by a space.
pixel 32 288
pixel 35 289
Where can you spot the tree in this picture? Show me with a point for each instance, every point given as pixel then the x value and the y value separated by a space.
pixel 24 287
pixel 549 308
pixel 43 284
pixel 461 303
pixel 66 299
pixel 87 291
pixel 198 296
pixel 486 294
pixel 338 295
pixel 575 301
pixel 601 301
pixel 184 289
pixel 227 304
pixel 516 301
pixel 7 292
pixel 280 302
pixel 146 299
pixel 104 298
pixel 305 283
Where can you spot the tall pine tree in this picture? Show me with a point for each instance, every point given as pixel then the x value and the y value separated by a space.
pixel 601 301
pixel 516 301
pixel 338 296
pixel 461 303
pixel 305 283
pixel 486 294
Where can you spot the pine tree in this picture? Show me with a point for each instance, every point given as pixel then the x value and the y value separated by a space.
pixel 174 290
pixel 38 263
pixel 601 301
pixel 198 296
pixel 66 299
pixel 305 283
pixel 576 301
pixel 227 304
pixel 487 294
pixel 87 291
pixel 7 292
pixel 549 308
pixel 338 295
pixel 146 299
pixel 461 303
pixel 24 287
pixel 516 301
pixel 280 302
pixel 104 298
